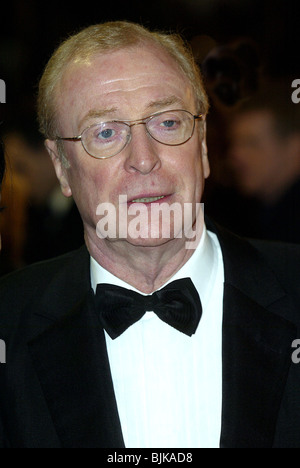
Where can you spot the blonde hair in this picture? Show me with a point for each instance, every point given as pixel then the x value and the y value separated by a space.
pixel 108 37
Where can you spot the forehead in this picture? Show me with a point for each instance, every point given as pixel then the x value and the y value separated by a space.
pixel 135 78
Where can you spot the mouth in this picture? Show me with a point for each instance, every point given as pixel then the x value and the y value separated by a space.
pixel 148 199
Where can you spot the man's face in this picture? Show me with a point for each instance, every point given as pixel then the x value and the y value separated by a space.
pixel 128 85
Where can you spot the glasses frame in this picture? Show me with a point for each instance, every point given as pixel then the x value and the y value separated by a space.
pixel 132 123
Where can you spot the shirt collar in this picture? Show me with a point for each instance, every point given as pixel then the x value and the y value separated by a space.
pixel 200 268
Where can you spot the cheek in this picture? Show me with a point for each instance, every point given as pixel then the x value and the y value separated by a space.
pixel 189 168
pixel 91 181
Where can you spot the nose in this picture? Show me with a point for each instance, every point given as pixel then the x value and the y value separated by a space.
pixel 142 152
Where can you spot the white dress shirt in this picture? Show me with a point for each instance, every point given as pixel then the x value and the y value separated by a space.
pixel 168 385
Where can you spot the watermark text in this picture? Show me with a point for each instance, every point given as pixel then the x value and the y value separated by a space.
pixel 2 352
pixel 296 353
pixel 150 221
pixel 296 94
pixel 2 92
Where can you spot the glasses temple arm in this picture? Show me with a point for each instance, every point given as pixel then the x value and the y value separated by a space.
pixel 68 138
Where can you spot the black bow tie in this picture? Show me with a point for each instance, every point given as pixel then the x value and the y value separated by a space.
pixel 177 304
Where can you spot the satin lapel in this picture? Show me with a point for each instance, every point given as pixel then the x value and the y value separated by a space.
pixel 256 345
pixel 71 362
pixel 256 360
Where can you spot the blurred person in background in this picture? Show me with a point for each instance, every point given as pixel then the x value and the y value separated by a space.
pixel 49 223
pixel 14 197
pixel 232 73
pixel 263 157
pixel 2 171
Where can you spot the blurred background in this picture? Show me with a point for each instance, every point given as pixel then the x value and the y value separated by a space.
pixel 248 52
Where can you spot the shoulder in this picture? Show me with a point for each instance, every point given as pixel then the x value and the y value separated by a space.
pixel 256 266
pixel 34 275
pixel 279 254
pixel 283 259
pixel 30 282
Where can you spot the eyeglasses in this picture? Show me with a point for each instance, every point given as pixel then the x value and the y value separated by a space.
pixel 106 139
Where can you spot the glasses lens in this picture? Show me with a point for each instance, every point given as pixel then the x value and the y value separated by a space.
pixel 106 139
pixel 171 127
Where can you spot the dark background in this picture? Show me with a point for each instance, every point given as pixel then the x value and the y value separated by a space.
pixel 30 30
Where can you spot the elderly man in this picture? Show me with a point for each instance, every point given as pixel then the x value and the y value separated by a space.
pixel 163 330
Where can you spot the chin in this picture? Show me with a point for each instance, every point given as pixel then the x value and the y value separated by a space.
pixel 150 243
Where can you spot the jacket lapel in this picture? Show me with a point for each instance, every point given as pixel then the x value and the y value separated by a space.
pixel 256 360
pixel 256 347
pixel 71 362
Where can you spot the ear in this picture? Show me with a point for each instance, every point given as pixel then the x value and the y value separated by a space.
pixel 205 161
pixel 60 169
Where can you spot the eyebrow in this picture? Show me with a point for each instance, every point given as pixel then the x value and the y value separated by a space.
pixel 156 104
pixel 169 101
pixel 96 114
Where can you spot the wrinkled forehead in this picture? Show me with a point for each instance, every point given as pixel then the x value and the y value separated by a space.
pixel 127 63
pixel 126 74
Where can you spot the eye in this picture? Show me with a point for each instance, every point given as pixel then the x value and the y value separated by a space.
pixel 168 123
pixel 106 134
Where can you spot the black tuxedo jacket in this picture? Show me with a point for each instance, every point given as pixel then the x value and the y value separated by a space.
pixel 56 388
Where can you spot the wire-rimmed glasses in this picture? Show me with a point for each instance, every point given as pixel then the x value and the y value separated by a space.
pixel 106 139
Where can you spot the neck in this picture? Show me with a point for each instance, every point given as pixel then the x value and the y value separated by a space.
pixel 145 267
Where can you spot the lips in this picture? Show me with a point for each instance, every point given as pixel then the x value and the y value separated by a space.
pixel 147 199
